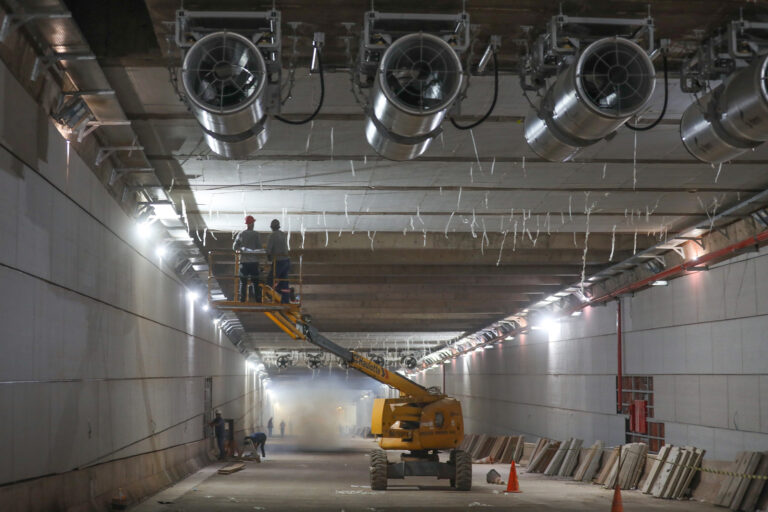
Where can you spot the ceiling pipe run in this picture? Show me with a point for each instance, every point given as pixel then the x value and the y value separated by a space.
pixel 689 266
pixel 683 268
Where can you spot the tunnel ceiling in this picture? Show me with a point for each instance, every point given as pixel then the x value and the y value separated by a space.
pixel 414 253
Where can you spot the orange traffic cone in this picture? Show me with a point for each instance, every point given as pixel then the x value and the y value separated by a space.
pixel 617 506
pixel 513 485
pixel 120 500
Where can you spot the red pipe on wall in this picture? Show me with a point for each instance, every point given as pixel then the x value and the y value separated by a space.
pixel 620 361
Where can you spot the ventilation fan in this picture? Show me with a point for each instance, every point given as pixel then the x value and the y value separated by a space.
pixel 378 359
pixel 612 80
pixel 284 361
pixel 418 80
pixel 409 361
pixel 314 361
pixel 224 77
pixel 731 119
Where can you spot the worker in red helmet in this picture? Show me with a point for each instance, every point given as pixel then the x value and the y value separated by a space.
pixel 249 245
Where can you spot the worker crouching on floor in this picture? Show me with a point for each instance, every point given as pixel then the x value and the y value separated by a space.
pixel 277 254
pixel 247 242
pixel 258 439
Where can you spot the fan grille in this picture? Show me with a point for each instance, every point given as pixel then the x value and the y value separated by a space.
pixel 224 72
pixel 616 76
pixel 421 72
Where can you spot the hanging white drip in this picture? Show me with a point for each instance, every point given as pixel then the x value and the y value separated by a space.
pixel 474 145
pixel 448 224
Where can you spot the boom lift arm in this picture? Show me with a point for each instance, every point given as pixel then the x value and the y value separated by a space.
pixel 419 421
pixel 393 379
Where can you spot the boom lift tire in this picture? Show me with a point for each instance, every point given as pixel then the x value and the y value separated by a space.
pixel 463 462
pixel 452 462
pixel 378 470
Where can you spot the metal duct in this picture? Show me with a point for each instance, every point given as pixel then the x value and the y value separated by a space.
pixel 611 81
pixel 224 76
pixel 731 119
pixel 418 80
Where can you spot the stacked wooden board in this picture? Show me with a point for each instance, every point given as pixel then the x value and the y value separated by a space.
pixel 542 455
pixel 514 450
pixel 571 458
pixel 624 466
pixel 590 463
pixel 672 471
pixel 231 468
pixel 485 448
pixel 565 459
pixel 740 492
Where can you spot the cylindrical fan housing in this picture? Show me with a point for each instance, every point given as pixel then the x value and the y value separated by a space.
pixel 224 77
pixel 419 78
pixel 731 119
pixel 612 80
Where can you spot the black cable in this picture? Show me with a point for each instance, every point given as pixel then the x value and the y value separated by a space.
pixel 666 98
pixel 322 96
pixel 493 103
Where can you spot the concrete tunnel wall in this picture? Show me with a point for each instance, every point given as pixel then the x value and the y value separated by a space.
pixel 703 338
pixel 102 356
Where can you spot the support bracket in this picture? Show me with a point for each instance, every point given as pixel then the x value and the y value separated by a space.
pixel 107 151
pixel 92 92
pixel 13 22
pixel 120 172
pixel 45 63
pixel 695 239
pixel 88 128
pixel 145 190
pixel 761 216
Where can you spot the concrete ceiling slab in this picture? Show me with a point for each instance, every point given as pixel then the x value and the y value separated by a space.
pixel 408 253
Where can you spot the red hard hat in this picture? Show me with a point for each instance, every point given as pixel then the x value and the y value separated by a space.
pixel 250 220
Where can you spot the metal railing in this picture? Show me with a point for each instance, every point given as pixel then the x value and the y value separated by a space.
pixel 270 292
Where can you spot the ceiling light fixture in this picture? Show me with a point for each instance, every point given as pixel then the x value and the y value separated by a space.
pixel 144 229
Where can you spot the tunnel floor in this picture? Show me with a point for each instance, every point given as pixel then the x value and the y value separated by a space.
pixel 295 479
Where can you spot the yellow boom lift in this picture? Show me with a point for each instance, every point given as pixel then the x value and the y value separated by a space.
pixel 420 421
